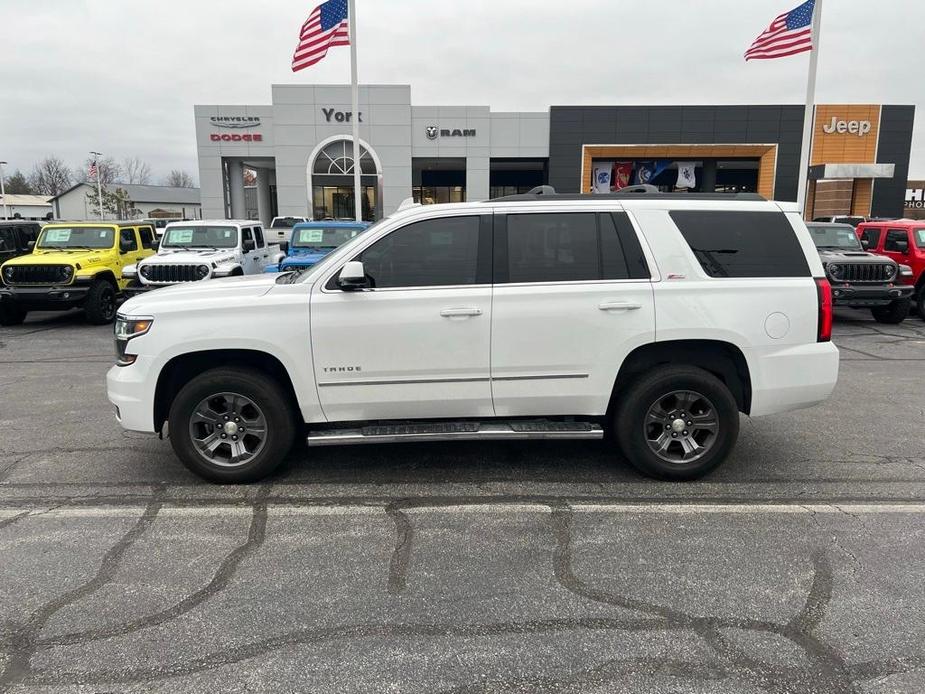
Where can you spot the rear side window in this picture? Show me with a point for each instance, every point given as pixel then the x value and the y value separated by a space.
pixel 871 236
pixel 258 234
pixel 147 237
pixel 7 239
pixel 128 236
pixel 742 244
pixel 894 240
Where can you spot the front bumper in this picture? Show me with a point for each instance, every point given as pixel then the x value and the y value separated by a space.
pixel 861 296
pixel 131 392
pixel 46 298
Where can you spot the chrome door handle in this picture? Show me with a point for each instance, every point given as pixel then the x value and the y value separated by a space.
pixel 618 306
pixel 457 312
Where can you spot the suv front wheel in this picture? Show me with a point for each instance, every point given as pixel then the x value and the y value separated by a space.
pixel 231 425
pixel 676 422
pixel 100 304
pixel 893 313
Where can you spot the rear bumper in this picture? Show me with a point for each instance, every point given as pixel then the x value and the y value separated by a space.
pixel 791 378
pixel 45 298
pixel 852 295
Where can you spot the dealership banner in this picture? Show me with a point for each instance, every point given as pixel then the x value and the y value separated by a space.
pixel 601 177
pixel 686 176
pixel 647 170
pixel 622 173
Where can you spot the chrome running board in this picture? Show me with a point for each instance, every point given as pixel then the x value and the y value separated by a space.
pixel 456 431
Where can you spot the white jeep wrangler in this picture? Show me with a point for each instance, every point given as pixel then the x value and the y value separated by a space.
pixel 656 317
pixel 192 251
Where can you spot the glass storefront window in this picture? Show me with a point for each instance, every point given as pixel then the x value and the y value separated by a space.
pixel 431 195
pixel 336 202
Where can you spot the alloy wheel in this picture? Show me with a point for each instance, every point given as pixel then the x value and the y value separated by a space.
pixel 228 429
pixel 681 426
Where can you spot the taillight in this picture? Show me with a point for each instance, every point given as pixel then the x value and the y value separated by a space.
pixel 824 294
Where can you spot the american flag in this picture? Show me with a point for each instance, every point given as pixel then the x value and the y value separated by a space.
pixel 326 26
pixel 92 172
pixel 789 34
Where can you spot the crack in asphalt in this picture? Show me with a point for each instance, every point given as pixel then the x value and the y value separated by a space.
pixel 401 556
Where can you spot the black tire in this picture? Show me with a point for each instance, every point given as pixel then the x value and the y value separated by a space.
pixel 658 386
pixel 100 304
pixel 920 302
pixel 893 313
pixel 272 404
pixel 11 314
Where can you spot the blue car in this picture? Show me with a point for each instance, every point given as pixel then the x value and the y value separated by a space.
pixel 312 241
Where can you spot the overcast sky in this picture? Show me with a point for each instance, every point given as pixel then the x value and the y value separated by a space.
pixel 122 77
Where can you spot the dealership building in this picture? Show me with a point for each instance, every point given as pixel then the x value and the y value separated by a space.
pixel 301 150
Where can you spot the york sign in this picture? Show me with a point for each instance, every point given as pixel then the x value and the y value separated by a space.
pixel 340 116
pixel 853 127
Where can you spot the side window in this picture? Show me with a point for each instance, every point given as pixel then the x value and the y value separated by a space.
pixel 553 247
pixel 258 234
pixel 246 235
pixel 871 236
pixel 7 240
pixel 430 253
pixel 742 244
pixel 128 236
pixel 30 232
pixel 895 237
pixel 147 237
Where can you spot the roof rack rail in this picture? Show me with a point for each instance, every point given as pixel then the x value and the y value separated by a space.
pixel 637 192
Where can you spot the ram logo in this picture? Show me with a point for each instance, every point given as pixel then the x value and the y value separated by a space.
pixel 431 131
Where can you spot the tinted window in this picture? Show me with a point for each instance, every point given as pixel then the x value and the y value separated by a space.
pixel 431 253
pixel 7 240
pixel 246 235
pixel 552 247
pixel 871 236
pixel 742 244
pixel 895 237
pixel 147 237
pixel 258 234
pixel 127 236
pixel 613 261
pixel 29 232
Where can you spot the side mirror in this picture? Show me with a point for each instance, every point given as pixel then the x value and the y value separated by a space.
pixel 865 244
pixel 31 245
pixel 352 277
pixel 249 245
pixel 155 244
pixel 126 245
pixel 902 246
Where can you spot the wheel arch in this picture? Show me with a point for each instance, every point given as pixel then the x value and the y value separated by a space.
pixel 106 276
pixel 182 368
pixel 723 359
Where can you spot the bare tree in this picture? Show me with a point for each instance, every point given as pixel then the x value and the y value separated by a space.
pixel 51 176
pixel 179 179
pixel 136 171
pixel 110 171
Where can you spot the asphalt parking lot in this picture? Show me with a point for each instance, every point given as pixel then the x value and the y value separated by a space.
pixel 799 566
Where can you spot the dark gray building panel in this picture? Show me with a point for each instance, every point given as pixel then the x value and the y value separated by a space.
pixel 893 147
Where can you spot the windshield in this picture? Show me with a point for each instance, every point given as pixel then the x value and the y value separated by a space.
pixel 77 237
pixel 835 236
pixel 200 237
pixel 322 237
pixel 301 275
pixel 285 222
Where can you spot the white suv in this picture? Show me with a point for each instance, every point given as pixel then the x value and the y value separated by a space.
pixel 656 317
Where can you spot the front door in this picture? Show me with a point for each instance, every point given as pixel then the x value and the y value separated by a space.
pixel 896 245
pixel 572 298
pixel 416 344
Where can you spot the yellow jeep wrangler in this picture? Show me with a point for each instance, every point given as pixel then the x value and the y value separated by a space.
pixel 74 264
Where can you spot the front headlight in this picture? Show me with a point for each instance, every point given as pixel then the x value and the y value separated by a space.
pixel 66 272
pixel 889 270
pixel 145 271
pixel 126 329
pixel 835 271
pixel 8 274
pixel 202 271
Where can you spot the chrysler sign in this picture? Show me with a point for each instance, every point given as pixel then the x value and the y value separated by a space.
pixel 433 132
pixel 235 122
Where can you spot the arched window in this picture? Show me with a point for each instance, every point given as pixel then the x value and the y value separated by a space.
pixel 337 159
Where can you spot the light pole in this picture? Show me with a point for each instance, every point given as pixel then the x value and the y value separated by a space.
pixel 6 212
pixel 99 180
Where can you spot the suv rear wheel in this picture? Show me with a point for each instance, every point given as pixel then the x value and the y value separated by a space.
pixel 677 422
pixel 894 312
pixel 231 425
pixel 100 304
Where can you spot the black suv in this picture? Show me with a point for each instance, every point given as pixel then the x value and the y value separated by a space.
pixel 17 238
pixel 860 279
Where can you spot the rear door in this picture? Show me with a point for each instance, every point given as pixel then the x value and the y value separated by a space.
pixel 250 259
pixel 134 251
pixel 572 297
pixel 263 253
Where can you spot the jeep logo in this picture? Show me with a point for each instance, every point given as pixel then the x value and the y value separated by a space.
pixel 432 132
pixel 853 127
pixel 340 116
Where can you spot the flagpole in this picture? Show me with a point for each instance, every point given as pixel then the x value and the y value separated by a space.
pixel 810 110
pixel 99 181
pixel 355 115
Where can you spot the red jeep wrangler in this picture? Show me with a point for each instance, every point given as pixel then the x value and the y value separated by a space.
pixel 903 240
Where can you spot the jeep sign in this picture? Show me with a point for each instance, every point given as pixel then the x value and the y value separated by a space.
pixel 852 127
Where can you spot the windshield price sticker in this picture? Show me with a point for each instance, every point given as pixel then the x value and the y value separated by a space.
pixel 311 236
pixel 181 235
pixel 58 236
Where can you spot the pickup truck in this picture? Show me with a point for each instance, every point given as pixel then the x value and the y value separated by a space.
pixel 199 250
pixel 281 229
pixel 312 241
